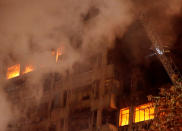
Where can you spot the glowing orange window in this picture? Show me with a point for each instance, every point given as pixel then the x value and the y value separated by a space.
pixel 144 112
pixel 124 117
pixel 13 71
pixel 28 68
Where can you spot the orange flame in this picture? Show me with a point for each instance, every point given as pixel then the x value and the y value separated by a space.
pixel 58 53
pixel 13 71
pixel 28 68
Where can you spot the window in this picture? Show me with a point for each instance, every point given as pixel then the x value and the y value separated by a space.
pixel 13 71
pixel 144 112
pixel 28 68
pixel 58 53
pixel 124 117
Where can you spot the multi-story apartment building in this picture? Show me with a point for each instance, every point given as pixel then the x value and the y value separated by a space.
pixel 106 93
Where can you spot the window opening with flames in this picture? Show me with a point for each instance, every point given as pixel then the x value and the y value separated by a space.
pixel 58 52
pixel 144 112
pixel 124 117
pixel 28 68
pixel 14 71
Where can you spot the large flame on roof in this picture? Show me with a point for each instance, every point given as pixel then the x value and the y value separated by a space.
pixel 13 71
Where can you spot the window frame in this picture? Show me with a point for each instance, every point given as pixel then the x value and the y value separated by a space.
pixel 149 107
pixel 126 115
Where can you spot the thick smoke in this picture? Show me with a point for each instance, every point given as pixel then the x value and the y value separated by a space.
pixel 30 29
pixel 5 111
pixel 160 14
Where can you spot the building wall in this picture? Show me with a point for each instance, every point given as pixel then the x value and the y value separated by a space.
pixel 83 100
pixel 88 98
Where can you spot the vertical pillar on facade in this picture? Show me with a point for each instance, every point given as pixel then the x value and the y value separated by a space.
pixel 99 118
pixel 67 110
pixel 131 117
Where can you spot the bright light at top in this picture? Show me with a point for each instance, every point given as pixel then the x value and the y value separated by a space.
pixel 159 51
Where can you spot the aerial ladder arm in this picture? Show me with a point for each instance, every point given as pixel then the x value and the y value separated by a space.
pixel 158 45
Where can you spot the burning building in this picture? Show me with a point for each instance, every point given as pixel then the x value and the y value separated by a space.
pixel 102 88
pixel 107 92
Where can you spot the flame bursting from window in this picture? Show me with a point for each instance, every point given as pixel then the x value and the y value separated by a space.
pixel 28 68
pixel 13 71
pixel 58 53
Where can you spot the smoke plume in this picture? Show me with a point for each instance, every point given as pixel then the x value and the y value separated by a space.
pixel 30 29
pixel 160 14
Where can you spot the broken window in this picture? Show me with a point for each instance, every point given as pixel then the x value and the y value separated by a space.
pixel 124 117
pixel 144 112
